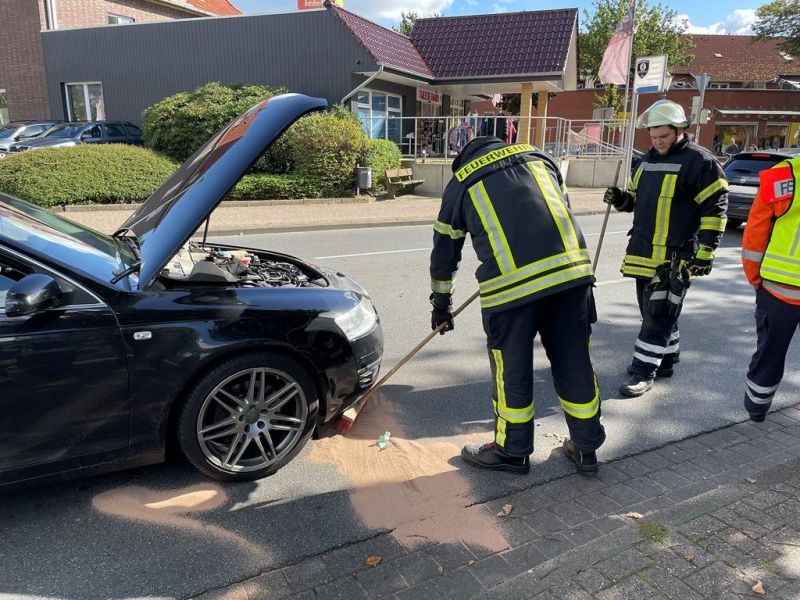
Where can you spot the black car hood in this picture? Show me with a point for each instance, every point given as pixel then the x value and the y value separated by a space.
pixel 168 218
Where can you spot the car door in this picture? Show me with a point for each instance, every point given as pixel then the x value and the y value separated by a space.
pixel 116 133
pixel 63 376
pixel 93 135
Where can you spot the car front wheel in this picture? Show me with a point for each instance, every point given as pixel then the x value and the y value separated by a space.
pixel 248 417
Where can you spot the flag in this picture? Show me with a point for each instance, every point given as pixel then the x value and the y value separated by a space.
pixel 617 57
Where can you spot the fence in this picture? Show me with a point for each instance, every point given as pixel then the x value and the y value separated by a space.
pixel 444 137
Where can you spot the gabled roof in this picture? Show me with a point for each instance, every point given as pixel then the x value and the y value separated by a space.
pixel 386 46
pixel 741 58
pixel 520 43
pixel 222 8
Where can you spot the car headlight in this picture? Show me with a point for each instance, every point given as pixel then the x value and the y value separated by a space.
pixel 359 320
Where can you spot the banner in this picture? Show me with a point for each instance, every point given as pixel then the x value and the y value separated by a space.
pixel 310 4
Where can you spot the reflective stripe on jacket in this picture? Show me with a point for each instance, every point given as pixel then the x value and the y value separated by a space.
pixel 771 243
pixel 512 202
pixel 681 198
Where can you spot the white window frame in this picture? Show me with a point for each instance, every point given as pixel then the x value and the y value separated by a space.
pixel 719 85
pixel 3 92
pixel 86 99
pixel 121 19
pixel 389 113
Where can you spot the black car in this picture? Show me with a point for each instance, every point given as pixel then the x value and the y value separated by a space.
pixel 111 345
pixel 69 134
pixel 21 130
pixel 742 172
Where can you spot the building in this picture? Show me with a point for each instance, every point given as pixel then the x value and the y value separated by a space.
pixel 753 95
pixel 23 92
pixel 386 78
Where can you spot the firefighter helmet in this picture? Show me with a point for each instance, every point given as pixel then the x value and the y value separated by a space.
pixel 663 112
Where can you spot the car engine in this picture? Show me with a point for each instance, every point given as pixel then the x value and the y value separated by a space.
pixel 219 266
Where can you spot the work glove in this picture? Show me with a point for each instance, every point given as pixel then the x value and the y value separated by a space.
pixel 679 282
pixel 701 263
pixel 442 312
pixel 615 197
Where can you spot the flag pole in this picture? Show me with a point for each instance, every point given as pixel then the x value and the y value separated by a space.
pixel 630 124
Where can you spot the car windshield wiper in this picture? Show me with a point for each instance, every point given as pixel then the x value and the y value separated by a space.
pixel 132 244
pixel 129 271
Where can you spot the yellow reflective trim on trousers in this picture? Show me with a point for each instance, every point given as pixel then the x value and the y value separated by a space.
pixel 719 184
pixel 556 206
pixel 491 224
pixel 500 393
pixel 662 217
pixel 490 158
pixel 501 408
pixel 537 285
pixel 582 411
pixel 447 230
pixel 442 287
pixel 532 269
pixel 500 433
pixel 713 223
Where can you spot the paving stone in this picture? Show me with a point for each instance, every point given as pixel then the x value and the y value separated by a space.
pixel 232 592
pixel 766 499
pixel 587 483
pixel 644 486
pixel 341 589
pixel 692 554
pixel 782 439
pixel 668 584
pixel 608 524
pixel 569 590
pixel 270 586
pixel 693 490
pixel 592 580
pixel 731 457
pixel 583 534
pixel 691 472
pixel 544 522
pixel 492 571
pixel 417 567
pixel 747 429
pixel 652 505
pixel 532 500
pixel 573 513
pixel 691 446
pixel 740 523
pixel 559 490
pixel 610 474
pixel 517 531
pixel 714 440
pixel 381 580
pixel 307 574
pixel 599 504
pixel 631 589
pixel 669 478
pixel 623 564
pixel 451 556
pixel 709 463
pixel 553 544
pixel 673 563
pixel 633 468
pixel 524 557
pixel 762 518
pixel 674 454
pixel 785 419
pixel 717 581
pixel 622 494
pixel 457 584
pixel 654 460
pixel 352 558
pixel 424 590
pixel 752 451
pixel 701 528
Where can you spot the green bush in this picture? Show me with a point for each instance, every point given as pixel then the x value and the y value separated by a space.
pixel 380 156
pixel 269 187
pixel 324 148
pixel 83 174
pixel 180 124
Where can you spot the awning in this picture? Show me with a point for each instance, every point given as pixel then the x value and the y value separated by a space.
pixel 766 113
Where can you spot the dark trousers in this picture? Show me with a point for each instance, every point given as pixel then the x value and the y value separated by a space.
pixel 658 343
pixel 563 322
pixel 776 322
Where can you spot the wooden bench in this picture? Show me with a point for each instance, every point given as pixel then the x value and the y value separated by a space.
pixel 400 179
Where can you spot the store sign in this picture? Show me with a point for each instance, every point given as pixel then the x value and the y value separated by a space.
pixel 651 72
pixel 309 4
pixel 428 96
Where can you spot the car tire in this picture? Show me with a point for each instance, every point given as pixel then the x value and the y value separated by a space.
pixel 248 417
pixel 734 223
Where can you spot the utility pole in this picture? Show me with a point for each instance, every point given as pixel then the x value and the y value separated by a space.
pixel 702 83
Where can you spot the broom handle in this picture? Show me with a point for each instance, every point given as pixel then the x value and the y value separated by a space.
pixel 419 346
pixel 605 220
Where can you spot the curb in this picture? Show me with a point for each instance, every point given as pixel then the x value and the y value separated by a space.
pixel 224 204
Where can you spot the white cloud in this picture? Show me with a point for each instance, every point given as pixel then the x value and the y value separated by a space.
pixel 739 22
pixel 380 11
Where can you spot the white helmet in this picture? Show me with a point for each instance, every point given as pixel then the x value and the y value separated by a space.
pixel 663 112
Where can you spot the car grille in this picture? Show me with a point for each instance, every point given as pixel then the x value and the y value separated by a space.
pixel 19 148
pixel 367 375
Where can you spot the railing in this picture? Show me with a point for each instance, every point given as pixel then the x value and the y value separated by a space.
pixel 444 137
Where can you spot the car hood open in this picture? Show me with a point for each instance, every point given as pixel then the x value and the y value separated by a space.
pixel 168 218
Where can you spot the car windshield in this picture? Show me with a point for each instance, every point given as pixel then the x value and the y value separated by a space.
pixel 64 131
pixel 8 129
pixel 750 166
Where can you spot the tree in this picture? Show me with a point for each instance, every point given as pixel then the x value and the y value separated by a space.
pixel 657 32
pixel 407 21
pixel 780 18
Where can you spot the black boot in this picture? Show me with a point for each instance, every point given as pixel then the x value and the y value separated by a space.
pixel 635 385
pixel 662 371
pixel 758 417
pixel 491 456
pixel 586 462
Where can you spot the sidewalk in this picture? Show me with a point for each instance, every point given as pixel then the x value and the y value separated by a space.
pixel 714 517
pixel 243 217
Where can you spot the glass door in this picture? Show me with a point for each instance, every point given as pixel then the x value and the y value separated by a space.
pixel 85 101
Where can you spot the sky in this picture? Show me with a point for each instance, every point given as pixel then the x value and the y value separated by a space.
pixel 702 16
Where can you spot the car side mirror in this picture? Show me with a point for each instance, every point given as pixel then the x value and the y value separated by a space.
pixel 86 135
pixel 31 294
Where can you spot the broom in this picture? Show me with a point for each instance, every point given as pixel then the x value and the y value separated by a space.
pixel 347 420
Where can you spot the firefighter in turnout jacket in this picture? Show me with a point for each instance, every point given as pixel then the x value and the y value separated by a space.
pixel 771 260
pixel 679 198
pixel 535 277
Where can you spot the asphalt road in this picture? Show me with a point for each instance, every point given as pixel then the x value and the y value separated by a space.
pixel 167 532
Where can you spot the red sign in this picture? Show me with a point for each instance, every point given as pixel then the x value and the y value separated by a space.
pixel 309 4
pixel 776 184
pixel 429 96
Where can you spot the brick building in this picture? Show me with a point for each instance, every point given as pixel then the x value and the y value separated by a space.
pixel 23 90
pixel 753 95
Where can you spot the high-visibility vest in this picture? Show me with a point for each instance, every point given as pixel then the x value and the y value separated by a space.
pixel 781 261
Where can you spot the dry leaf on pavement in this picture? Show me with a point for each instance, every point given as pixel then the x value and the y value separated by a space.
pixel 507 508
pixel 689 557
pixel 634 515
pixel 758 588
pixel 750 480
pixel 373 561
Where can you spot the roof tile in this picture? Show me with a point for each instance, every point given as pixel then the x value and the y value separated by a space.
pixel 743 58
pixel 223 8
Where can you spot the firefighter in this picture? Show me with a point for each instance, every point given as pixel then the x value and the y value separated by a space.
pixel 679 198
pixel 771 260
pixel 535 277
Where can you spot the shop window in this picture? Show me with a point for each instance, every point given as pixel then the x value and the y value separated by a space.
pixel 3 108
pixel 380 114
pixel 85 101
pixel 775 136
pixel 730 138
pixel 119 20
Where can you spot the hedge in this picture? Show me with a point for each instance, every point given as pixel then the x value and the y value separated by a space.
pixel 83 174
pixel 381 155
pixel 270 187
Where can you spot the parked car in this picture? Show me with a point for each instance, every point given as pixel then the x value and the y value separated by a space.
pixel 742 172
pixel 110 345
pixel 21 130
pixel 83 132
